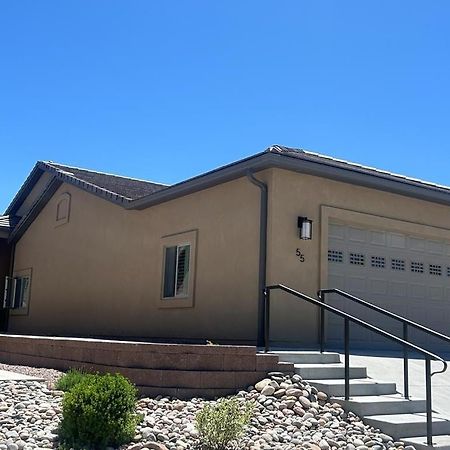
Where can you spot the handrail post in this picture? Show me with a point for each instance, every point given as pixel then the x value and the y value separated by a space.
pixel 347 357
pixel 322 323
pixel 266 319
pixel 428 400
pixel 405 361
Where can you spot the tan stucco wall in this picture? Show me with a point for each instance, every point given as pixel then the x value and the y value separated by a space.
pixel 102 270
pixel 323 200
pixel 100 274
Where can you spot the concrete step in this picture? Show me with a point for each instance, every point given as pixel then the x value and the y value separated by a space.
pixel 328 371
pixel 308 357
pixel 371 405
pixel 420 443
pixel 411 425
pixel 360 386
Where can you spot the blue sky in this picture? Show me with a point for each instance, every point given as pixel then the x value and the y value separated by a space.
pixel 164 90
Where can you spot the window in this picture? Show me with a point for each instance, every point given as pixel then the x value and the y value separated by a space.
pixel 357 259
pixel 417 267
pixel 378 262
pixel 397 264
pixel 17 292
pixel 435 269
pixel 178 256
pixel 335 256
pixel 176 271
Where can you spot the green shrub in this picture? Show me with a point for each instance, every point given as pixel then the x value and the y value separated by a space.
pixel 99 411
pixel 223 422
pixel 70 379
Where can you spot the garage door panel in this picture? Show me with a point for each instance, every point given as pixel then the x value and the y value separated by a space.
pixel 409 275
pixel 378 238
pixel 355 284
pixel 397 240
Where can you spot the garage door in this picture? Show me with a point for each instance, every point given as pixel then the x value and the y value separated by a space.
pixel 406 274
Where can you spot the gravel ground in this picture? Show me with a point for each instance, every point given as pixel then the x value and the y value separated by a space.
pixel 49 375
pixel 289 414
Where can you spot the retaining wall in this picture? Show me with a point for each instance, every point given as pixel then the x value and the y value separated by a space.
pixel 178 370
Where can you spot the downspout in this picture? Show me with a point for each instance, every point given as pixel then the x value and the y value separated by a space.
pixel 262 254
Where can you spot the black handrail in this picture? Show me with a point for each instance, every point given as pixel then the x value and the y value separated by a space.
pixel 347 319
pixel 405 322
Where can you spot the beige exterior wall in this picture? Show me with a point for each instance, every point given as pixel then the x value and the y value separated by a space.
pixel 100 273
pixel 102 270
pixel 323 200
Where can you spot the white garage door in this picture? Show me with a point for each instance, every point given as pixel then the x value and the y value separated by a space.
pixel 406 274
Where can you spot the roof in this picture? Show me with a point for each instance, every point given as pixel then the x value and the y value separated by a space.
pixel 7 222
pixel 324 159
pixel 303 161
pixel 126 187
pixel 131 193
pixel 115 188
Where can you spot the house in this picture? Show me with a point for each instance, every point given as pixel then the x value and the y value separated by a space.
pixel 93 254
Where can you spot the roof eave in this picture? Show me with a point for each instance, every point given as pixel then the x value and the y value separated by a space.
pixel 25 189
pixel 223 174
pixel 37 207
pixel 301 164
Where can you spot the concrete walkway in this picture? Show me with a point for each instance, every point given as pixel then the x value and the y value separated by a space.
pixel 390 368
pixel 14 376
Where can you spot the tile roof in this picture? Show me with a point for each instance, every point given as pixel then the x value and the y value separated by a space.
pixel 340 163
pixel 128 188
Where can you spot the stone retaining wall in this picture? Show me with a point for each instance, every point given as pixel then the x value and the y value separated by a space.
pixel 178 370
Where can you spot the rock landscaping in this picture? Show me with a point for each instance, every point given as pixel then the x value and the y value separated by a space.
pixel 288 414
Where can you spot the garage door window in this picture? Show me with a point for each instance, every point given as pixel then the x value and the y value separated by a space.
pixel 417 267
pixel 378 262
pixel 397 264
pixel 335 256
pixel 435 269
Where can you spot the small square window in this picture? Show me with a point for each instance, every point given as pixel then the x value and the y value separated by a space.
pixel 397 264
pixel 435 269
pixel 335 256
pixel 417 267
pixel 357 259
pixel 378 261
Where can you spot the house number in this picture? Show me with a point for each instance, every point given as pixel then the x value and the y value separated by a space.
pixel 300 255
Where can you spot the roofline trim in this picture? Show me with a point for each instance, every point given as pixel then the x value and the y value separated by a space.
pixel 37 207
pixel 302 163
pixel 220 175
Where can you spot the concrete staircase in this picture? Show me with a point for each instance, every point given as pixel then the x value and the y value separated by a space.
pixel 377 403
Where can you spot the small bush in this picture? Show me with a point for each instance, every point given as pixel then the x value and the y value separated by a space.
pixel 223 422
pixel 70 379
pixel 99 411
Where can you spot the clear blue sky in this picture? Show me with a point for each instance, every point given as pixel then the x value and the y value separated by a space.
pixel 164 90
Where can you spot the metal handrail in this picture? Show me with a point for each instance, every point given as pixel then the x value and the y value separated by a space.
pixel 347 319
pixel 405 322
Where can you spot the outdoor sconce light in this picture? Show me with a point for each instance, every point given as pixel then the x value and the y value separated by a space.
pixel 305 228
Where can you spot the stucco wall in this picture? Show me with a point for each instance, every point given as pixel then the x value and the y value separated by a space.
pixel 100 274
pixel 294 194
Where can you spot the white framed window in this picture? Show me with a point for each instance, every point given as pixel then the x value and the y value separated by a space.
pixel 17 292
pixel 176 271
pixel 178 253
